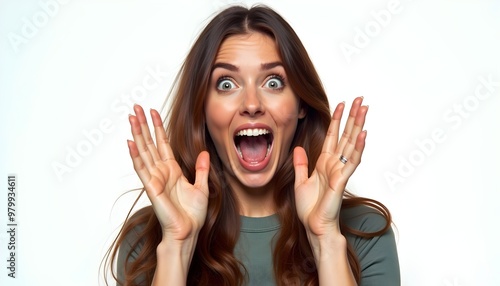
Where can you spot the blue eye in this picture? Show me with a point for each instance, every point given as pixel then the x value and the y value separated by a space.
pixel 225 84
pixel 275 82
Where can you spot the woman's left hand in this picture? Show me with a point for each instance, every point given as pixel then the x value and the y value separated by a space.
pixel 319 197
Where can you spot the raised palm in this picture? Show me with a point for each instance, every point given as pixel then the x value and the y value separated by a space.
pixel 180 206
pixel 319 197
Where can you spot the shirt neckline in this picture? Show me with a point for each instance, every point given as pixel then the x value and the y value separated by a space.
pixel 259 224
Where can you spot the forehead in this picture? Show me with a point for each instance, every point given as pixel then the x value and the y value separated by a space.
pixel 248 46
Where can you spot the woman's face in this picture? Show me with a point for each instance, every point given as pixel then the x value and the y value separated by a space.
pixel 251 111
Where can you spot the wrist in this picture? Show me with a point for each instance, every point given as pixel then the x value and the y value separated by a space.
pixel 174 256
pixel 330 254
pixel 328 247
pixel 180 249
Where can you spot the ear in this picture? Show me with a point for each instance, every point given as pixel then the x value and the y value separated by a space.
pixel 302 112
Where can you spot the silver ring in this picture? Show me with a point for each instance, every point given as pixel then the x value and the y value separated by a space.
pixel 343 159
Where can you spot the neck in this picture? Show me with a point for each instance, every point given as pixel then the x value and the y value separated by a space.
pixel 253 202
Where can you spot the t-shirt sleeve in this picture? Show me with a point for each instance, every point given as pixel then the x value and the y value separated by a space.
pixel 378 255
pixel 123 251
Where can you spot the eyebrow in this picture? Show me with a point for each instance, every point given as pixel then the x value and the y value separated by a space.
pixel 265 66
pixel 268 66
pixel 225 66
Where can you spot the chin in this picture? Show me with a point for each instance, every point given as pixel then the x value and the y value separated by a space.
pixel 255 179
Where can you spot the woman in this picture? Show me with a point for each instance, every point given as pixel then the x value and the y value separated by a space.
pixel 248 185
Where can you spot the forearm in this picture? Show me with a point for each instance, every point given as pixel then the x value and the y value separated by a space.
pixel 332 262
pixel 173 261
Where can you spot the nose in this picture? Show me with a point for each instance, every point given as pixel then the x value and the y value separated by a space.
pixel 251 104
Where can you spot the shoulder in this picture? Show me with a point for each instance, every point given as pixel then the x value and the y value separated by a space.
pixel 132 243
pixel 132 236
pixel 134 227
pixel 363 218
pixel 372 239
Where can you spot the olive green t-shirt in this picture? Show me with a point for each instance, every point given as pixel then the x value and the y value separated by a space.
pixel 377 256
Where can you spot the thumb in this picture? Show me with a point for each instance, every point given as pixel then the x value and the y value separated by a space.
pixel 202 168
pixel 300 165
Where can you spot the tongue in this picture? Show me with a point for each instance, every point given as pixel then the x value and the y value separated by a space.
pixel 253 148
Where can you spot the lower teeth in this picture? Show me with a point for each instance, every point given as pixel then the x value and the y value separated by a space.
pixel 239 152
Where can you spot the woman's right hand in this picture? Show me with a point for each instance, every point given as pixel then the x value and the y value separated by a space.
pixel 180 206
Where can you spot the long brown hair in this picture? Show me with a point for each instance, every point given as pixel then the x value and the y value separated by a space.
pixel 214 262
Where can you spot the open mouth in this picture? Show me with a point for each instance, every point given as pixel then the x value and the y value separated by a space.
pixel 254 144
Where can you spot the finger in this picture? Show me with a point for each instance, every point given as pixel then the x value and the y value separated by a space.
pixel 162 143
pixel 300 165
pixel 143 150
pixel 139 165
pixel 146 134
pixel 355 158
pixel 359 122
pixel 163 207
pixel 202 169
pixel 349 124
pixel 332 135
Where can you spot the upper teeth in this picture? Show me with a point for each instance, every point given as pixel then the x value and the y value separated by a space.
pixel 252 132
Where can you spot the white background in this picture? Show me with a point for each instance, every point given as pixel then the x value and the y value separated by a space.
pixel 67 68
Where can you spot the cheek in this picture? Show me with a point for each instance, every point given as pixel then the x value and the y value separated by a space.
pixel 218 120
pixel 287 112
pixel 219 111
pixel 286 116
pixel 213 121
